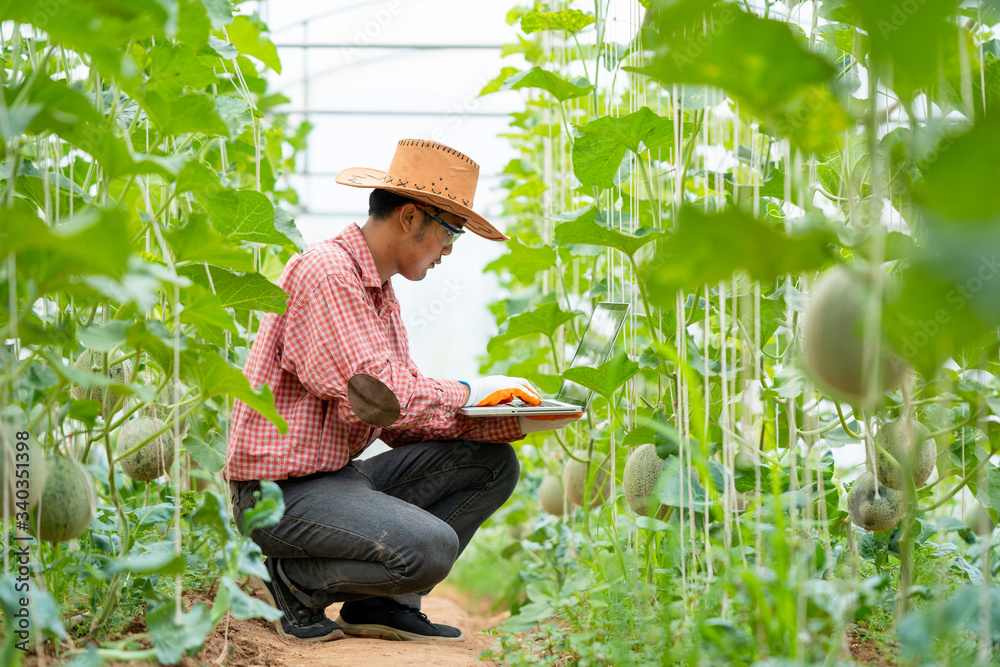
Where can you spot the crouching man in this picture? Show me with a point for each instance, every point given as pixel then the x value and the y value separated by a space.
pixel 377 533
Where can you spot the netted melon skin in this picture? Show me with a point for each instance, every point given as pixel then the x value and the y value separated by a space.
pixel 833 339
pixel 93 363
pixel 870 513
pixel 575 477
pixel 154 458
pixel 32 482
pixel 892 437
pixel 68 503
pixel 642 472
pixel 550 495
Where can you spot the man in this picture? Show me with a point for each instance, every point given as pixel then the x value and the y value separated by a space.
pixel 377 533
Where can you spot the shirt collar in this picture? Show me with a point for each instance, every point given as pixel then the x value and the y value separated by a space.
pixel 354 242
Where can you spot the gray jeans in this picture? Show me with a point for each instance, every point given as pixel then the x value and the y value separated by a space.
pixel 389 526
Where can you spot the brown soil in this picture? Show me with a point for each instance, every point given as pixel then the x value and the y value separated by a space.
pixel 254 642
pixel 867 651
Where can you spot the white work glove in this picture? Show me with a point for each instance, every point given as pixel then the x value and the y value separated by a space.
pixel 496 389
pixel 545 422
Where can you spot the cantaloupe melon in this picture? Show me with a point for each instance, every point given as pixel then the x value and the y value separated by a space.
pixel 642 472
pixel 873 513
pixel 22 471
pixel 154 458
pixel 575 478
pixel 550 495
pixel 920 449
pixel 979 520
pixel 94 363
pixel 834 339
pixel 68 503
pixel 171 395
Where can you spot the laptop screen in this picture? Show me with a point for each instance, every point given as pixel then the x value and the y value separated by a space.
pixel 595 347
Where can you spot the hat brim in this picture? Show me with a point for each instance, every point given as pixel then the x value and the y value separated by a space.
pixel 362 177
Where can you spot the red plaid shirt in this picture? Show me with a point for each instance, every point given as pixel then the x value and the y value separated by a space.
pixel 340 321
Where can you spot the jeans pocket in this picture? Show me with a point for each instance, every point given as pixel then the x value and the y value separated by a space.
pixel 275 547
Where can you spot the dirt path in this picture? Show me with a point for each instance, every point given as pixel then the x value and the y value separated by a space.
pixel 255 643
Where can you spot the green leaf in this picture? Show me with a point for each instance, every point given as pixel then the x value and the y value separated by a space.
pixel 536 77
pixel 174 67
pixel 104 337
pixel 100 29
pixel 961 181
pixel 250 291
pixel 585 230
pixel 173 641
pixel 638 131
pixel 44 613
pixel 190 113
pixel 198 242
pixel 197 177
pixel 211 457
pixel 949 304
pixel 708 248
pixel 244 606
pixel 543 320
pixel 912 40
pixel 571 20
pixel 234 112
pixel 524 261
pixel 267 511
pixel 598 151
pixel 159 559
pixel 606 378
pixel 49 255
pixel 285 225
pixel 219 11
pixel 246 35
pixel 215 377
pixel 640 435
pixel 142 283
pixel 758 61
pixel 678 486
pixel 204 310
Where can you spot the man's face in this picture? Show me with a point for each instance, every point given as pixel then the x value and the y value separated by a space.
pixel 426 241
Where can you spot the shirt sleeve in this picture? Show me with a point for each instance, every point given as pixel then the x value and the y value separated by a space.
pixel 334 332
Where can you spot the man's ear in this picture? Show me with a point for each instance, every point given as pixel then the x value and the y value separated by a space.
pixel 406 218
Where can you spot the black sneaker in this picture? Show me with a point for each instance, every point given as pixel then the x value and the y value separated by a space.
pixel 384 618
pixel 299 621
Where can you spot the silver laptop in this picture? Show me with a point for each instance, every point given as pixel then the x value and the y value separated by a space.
pixel 595 348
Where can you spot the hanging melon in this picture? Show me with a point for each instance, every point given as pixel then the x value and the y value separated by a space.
pixel 68 503
pixel 94 363
pixel 575 479
pixel 920 448
pixel 869 512
pixel 834 345
pixel 551 496
pixel 152 459
pixel 642 472
pixel 23 472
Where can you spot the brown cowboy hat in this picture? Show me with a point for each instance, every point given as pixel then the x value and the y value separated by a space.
pixel 431 173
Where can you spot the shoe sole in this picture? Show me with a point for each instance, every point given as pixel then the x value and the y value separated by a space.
pixel 373 631
pixel 264 593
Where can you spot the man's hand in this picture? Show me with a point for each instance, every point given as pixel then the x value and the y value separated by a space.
pixel 545 422
pixel 496 389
